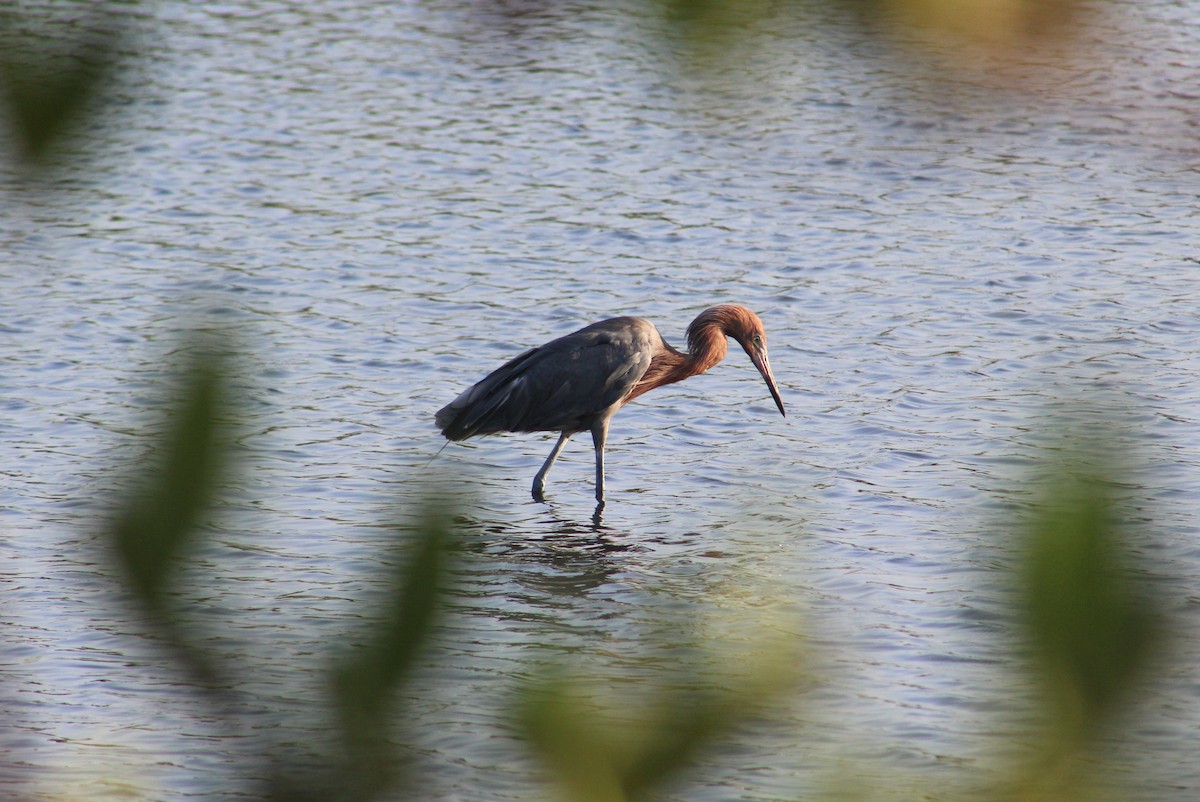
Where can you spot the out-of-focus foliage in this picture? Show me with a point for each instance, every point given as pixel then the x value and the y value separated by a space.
pixel 1090 620
pixel 365 680
pixel 1090 628
pixel 56 60
pixel 620 750
pixel 367 759
pixel 164 506
pixel 603 747
pixel 965 31
pixel 161 519
pixel 1012 25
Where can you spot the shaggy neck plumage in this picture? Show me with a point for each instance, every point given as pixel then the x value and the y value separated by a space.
pixel 706 347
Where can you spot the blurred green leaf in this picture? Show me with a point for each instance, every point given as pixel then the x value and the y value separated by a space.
pixel 365 681
pixel 1091 626
pixel 54 62
pixel 583 752
pixel 711 14
pixel 165 507
pixel 623 749
pixel 166 502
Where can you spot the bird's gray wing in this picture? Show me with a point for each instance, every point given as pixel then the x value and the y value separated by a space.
pixel 469 414
pixel 561 386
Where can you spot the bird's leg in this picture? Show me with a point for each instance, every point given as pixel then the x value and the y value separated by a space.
pixel 539 480
pixel 599 436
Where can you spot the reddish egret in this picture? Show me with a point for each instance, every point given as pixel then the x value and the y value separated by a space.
pixel 577 382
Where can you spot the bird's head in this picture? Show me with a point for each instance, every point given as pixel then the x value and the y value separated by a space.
pixel 747 329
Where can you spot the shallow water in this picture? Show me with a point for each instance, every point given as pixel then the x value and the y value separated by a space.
pixel 389 201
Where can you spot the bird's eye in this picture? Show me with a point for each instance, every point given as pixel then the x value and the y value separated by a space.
pixel 758 340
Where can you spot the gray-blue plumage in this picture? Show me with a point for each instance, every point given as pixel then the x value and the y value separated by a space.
pixel 562 386
pixel 577 382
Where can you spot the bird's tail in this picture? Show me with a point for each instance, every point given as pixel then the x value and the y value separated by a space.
pixel 474 412
pixel 480 409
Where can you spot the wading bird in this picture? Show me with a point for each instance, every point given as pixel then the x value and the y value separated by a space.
pixel 577 382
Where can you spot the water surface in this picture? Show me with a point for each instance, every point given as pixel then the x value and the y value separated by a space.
pixel 389 201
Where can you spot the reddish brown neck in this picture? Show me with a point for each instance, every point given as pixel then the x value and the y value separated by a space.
pixel 706 347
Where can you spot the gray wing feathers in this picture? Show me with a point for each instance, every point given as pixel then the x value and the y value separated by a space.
pixel 562 386
pixel 477 405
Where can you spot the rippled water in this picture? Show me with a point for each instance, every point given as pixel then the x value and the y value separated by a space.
pixel 392 200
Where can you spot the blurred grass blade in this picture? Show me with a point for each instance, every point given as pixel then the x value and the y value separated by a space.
pixel 618 754
pixel 716 36
pixel 686 727
pixel 1089 621
pixel 626 748
pixel 51 70
pixel 566 733
pixel 709 15
pixel 165 507
pixel 364 683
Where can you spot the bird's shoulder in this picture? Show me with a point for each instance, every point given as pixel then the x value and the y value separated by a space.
pixel 620 333
pixel 604 359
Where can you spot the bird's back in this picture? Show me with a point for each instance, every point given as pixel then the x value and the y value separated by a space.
pixel 564 385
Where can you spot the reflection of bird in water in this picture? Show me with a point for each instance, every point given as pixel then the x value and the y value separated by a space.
pixel 555 557
pixel 577 382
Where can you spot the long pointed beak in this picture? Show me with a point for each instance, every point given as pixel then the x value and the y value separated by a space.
pixel 759 358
